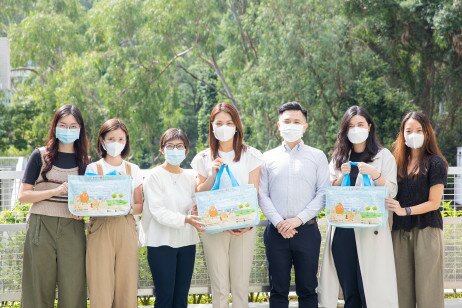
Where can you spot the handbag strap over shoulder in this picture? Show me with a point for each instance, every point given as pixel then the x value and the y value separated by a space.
pixel 128 169
pixel 99 169
pixel 100 172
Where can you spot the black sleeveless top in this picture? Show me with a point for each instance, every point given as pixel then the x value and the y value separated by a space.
pixel 414 191
pixel 355 157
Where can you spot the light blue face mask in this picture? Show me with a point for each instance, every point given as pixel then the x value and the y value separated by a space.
pixel 67 136
pixel 174 157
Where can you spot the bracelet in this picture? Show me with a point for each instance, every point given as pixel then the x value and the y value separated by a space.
pixel 408 211
pixel 377 177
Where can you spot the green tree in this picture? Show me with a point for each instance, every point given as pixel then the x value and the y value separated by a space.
pixel 421 43
pixel 160 64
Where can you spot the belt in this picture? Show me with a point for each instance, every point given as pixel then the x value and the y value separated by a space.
pixel 312 221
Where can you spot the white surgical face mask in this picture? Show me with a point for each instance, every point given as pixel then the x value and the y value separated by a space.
pixel 224 132
pixel 114 148
pixel 414 140
pixel 358 135
pixel 291 132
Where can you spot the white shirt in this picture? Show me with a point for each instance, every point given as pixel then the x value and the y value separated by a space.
pixel 168 198
pixel 251 159
pixel 121 169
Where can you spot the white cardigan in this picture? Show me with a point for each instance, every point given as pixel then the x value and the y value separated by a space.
pixel 375 251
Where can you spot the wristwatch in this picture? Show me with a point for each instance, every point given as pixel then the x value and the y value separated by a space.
pixel 408 211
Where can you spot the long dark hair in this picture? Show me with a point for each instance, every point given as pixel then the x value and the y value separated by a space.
pixel 238 141
pixel 343 146
pixel 80 145
pixel 430 147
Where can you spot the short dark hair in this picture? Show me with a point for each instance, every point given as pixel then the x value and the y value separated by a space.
pixel 172 134
pixel 109 126
pixel 293 106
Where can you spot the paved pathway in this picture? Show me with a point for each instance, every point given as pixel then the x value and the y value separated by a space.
pixel 448 304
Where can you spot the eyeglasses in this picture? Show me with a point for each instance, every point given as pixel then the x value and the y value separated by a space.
pixel 73 126
pixel 173 146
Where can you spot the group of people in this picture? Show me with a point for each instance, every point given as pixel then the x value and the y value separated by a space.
pixel 397 265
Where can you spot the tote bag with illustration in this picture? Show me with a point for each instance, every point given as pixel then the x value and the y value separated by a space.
pixel 356 206
pixel 229 208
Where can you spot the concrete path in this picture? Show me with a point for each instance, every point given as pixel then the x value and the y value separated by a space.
pixel 447 304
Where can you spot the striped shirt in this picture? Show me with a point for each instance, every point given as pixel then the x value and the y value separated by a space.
pixel 292 182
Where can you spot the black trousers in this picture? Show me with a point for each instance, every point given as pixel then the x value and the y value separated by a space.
pixel 302 252
pixel 347 265
pixel 172 270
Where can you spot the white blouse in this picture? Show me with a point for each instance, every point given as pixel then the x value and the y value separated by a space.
pixel 250 160
pixel 168 198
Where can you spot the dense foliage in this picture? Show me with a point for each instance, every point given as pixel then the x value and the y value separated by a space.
pixel 164 63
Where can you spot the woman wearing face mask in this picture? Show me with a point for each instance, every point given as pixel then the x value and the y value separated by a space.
pixel 417 222
pixel 112 244
pixel 169 221
pixel 229 254
pixel 360 260
pixel 54 250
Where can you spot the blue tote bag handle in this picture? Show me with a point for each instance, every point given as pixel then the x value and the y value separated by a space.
pixel 113 172
pixel 347 181
pixel 224 167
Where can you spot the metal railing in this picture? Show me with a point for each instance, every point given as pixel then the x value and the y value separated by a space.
pixel 12 241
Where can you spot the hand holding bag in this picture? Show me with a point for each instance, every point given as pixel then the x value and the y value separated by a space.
pixel 356 206
pixel 229 208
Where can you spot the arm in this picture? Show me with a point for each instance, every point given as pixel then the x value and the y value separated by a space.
pixel 317 204
pixel 26 191
pixel 433 203
pixel 254 177
pixel 155 200
pixel 206 183
pixel 337 182
pixel 28 195
pixel 387 174
pixel 138 200
pixel 266 204
pixel 335 177
pixel 388 177
pixel 438 179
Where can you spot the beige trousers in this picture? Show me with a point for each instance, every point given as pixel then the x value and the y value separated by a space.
pixel 112 262
pixel 229 262
pixel 419 267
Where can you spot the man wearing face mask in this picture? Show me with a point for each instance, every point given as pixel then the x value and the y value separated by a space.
pixel 291 196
